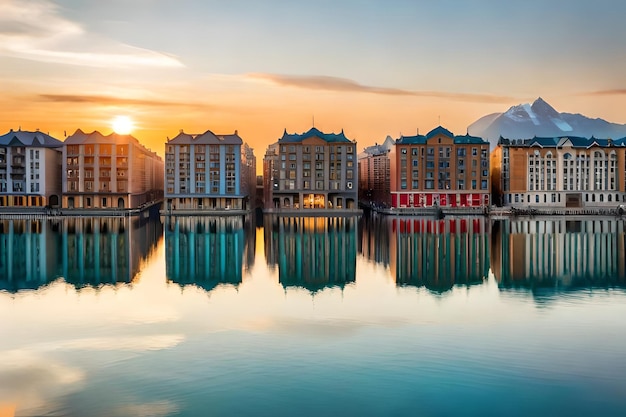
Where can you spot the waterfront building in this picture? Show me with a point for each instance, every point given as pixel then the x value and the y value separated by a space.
pixel 109 172
pixel 374 174
pixel 312 170
pixel 30 169
pixel 206 172
pixel 439 169
pixel 559 172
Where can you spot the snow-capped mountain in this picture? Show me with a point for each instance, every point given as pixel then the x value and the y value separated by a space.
pixel 525 121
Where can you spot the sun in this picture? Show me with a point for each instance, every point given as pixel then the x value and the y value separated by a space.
pixel 122 125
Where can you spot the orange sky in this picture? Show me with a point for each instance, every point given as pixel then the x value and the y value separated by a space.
pixel 366 68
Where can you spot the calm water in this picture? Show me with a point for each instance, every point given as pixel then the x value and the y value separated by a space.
pixel 313 316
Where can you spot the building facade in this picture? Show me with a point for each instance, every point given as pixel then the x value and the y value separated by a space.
pixel 109 172
pixel 209 172
pixel 563 172
pixel 374 174
pixel 30 169
pixel 440 169
pixel 313 170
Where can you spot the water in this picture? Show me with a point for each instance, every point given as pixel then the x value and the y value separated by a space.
pixel 280 317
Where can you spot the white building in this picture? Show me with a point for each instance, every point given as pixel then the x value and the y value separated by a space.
pixel 30 169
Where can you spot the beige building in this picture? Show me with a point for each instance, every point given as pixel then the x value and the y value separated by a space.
pixel 313 170
pixel 558 172
pixel 109 172
pixel 30 169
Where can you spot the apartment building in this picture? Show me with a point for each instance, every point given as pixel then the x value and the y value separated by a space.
pixel 559 172
pixel 440 169
pixel 209 172
pixel 374 174
pixel 109 172
pixel 30 169
pixel 312 170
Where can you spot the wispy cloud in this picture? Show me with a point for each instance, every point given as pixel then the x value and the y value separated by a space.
pixel 613 92
pixel 328 83
pixel 111 101
pixel 36 30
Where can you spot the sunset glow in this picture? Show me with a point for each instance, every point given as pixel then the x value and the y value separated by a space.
pixel 122 125
pixel 371 69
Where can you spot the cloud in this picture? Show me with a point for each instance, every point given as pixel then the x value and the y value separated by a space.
pixel 328 83
pixel 108 100
pixel 35 381
pixel 614 92
pixel 35 30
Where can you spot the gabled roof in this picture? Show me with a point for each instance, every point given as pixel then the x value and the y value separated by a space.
pixel 458 140
pixel 26 138
pixel 206 138
pixel 439 131
pixel 313 132
pixel 79 138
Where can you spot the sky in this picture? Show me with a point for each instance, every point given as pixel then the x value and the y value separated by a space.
pixel 369 68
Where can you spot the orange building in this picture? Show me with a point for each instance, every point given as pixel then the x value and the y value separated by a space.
pixel 440 169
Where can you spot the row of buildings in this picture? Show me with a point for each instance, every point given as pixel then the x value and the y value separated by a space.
pixel 97 172
pixel 310 171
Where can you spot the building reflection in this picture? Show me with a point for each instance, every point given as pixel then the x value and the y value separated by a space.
pixel 438 254
pixel 97 251
pixel 29 250
pixel 207 251
pixel 558 253
pixel 374 238
pixel 312 252
pixel 82 251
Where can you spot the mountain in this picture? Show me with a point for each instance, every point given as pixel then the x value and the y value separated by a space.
pixel 526 121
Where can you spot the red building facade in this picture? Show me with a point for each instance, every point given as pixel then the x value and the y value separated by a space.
pixel 440 169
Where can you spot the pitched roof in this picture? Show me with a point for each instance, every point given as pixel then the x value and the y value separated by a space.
pixel 439 131
pixel 559 141
pixel 79 137
pixel 26 138
pixel 313 132
pixel 458 140
pixel 206 138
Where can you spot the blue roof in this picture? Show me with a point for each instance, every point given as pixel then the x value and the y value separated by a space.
pixel 313 132
pixel 26 138
pixel 439 131
pixel 412 140
pixel 458 140
pixel 553 142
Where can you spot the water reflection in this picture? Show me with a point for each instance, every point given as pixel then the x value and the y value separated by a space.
pixel 83 251
pixel 208 251
pixel 29 250
pixel 558 253
pixel 438 254
pixel 312 252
